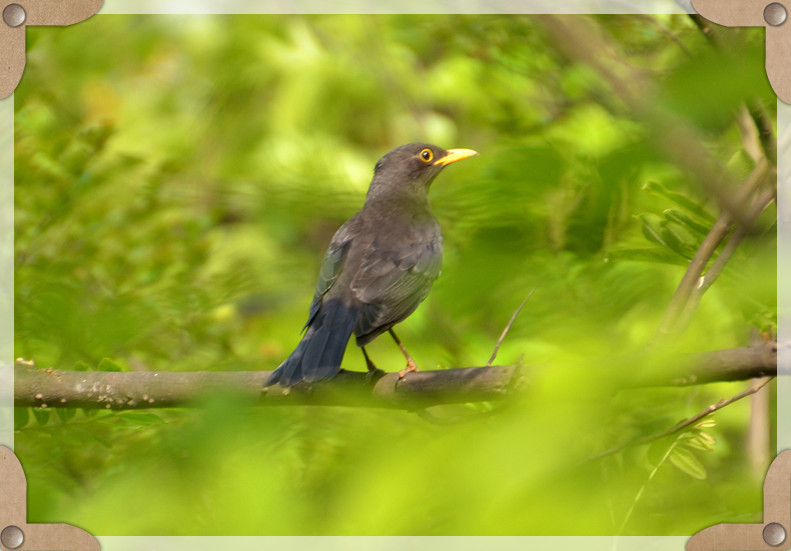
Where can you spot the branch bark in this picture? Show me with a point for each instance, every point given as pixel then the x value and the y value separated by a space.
pixel 140 390
pixel 35 387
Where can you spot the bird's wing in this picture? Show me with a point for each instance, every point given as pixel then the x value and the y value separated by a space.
pixel 332 266
pixel 395 276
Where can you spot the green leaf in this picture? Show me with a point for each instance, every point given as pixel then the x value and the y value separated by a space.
pixel 81 366
pixel 139 419
pixel 685 461
pixel 687 221
pixel 679 199
pixel 21 417
pixel 708 89
pixel 65 414
pixel 652 228
pixel 700 441
pixel 42 415
pixel 89 436
pixel 670 236
pixel 655 255
pixel 677 240
pixel 109 365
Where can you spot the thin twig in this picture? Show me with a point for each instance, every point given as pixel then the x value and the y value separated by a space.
pixel 686 422
pixel 763 126
pixel 692 275
pixel 718 265
pixel 763 201
pixel 508 326
pixel 719 231
pixel 708 29
pixel 640 492
pixel 664 29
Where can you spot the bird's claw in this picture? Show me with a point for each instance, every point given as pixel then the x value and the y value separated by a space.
pixel 411 367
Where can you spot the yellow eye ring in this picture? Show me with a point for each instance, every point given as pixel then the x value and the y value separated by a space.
pixel 427 155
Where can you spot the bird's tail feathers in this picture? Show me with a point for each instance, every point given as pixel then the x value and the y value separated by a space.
pixel 319 354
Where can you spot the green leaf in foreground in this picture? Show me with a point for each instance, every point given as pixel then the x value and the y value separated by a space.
pixel 685 461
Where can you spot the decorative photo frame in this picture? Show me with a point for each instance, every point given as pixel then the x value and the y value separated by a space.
pixel 118 387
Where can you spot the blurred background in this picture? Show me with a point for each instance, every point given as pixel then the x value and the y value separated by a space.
pixel 178 178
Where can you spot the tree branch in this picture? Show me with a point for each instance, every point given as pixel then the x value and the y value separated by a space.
pixel 696 279
pixel 733 364
pixel 752 389
pixel 139 390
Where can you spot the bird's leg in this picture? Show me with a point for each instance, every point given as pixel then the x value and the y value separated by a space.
pixel 410 363
pixel 368 363
pixel 374 372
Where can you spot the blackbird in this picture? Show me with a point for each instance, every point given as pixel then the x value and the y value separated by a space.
pixel 379 266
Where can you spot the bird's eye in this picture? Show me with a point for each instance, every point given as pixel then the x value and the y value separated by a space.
pixel 427 155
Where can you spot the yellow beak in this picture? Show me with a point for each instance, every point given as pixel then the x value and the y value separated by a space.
pixel 455 155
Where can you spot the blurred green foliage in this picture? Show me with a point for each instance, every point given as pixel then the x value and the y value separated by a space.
pixel 177 181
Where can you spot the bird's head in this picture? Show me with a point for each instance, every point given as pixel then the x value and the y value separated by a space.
pixel 410 169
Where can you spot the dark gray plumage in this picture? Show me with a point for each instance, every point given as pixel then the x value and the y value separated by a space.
pixel 379 266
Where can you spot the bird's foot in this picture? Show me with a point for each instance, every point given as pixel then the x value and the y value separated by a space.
pixel 411 367
pixel 374 373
